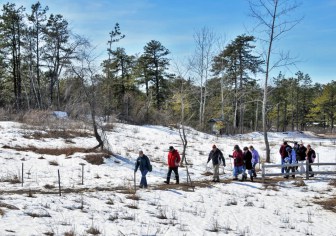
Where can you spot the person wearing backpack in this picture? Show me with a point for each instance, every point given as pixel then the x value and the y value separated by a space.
pixel 144 164
pixel 290 159
pixel 238 163
pixel 310 157
pixel 217 158
pixel 173 164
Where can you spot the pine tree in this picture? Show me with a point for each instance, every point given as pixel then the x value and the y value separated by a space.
pixel 238 62
pixel 155 56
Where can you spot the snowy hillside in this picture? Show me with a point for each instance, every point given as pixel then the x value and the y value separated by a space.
pixel 105 204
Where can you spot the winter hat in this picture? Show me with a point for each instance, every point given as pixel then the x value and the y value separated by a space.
pixel 214 146
pixel 171 148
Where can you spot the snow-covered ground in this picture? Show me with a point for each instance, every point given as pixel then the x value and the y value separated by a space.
pixel 106 204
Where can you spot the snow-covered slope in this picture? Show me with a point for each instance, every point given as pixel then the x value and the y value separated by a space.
pixel 106 203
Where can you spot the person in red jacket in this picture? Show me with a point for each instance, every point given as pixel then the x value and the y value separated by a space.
pixel 173 164
pixel 238 162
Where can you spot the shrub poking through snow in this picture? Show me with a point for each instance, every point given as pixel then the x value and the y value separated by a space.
pixel 53 163
pixel 93 230
pixel 95 159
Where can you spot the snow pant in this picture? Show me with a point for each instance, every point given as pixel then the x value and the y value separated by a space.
pixel 253 170
pixel 216 172
pixel 292 169
pixel 302 168
pixel 175 169
pixel 237 170
pixel 282 163
pixel 244 172
pixel 143 181
pixel 310 169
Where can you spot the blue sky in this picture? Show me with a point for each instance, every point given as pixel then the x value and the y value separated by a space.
pixel 174 22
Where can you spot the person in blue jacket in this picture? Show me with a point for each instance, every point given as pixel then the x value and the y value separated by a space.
pixel 290 159
pixel 143 163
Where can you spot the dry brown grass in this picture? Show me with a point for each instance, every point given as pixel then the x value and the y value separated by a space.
pixel 133 197
pixel 207 173
pixel 333 182
pixel 93 230
pixel 328 204
pixel 11 179
pixel 95 159
pixel 53 163
pixel 2 212
pixel 65 134
pixel 299 183
pixel 70 233
pixel 49 186
pixel 8 206
pixel 51 151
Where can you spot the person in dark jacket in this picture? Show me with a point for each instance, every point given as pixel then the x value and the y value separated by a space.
pixel 237 162
pixel 301 156
pixel 301 152
pixel 283 154
pixel 310 157
pixel 247 158
pixel 173 164
pixel 143 163
pixel 217 158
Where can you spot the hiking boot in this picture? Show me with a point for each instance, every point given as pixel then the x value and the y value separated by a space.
pixel 177 179
pixel 251 177
pixel 167 181
pixel 235 178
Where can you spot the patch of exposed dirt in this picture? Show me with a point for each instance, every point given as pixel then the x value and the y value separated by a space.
pixel 329 204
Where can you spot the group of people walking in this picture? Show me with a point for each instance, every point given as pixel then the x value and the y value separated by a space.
pixel 243 160
pixel 295 154
pixel 143 163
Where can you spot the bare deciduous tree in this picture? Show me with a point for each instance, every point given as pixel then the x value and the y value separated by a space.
pixel 87 73
pixel 273 21
pixel 205 40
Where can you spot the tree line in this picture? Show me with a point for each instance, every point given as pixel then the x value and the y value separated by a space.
pixel 46 66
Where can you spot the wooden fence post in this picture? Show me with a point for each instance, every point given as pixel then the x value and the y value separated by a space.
pixel 263 172
pixel 22 175
pixel 82 164
pixel 59 183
